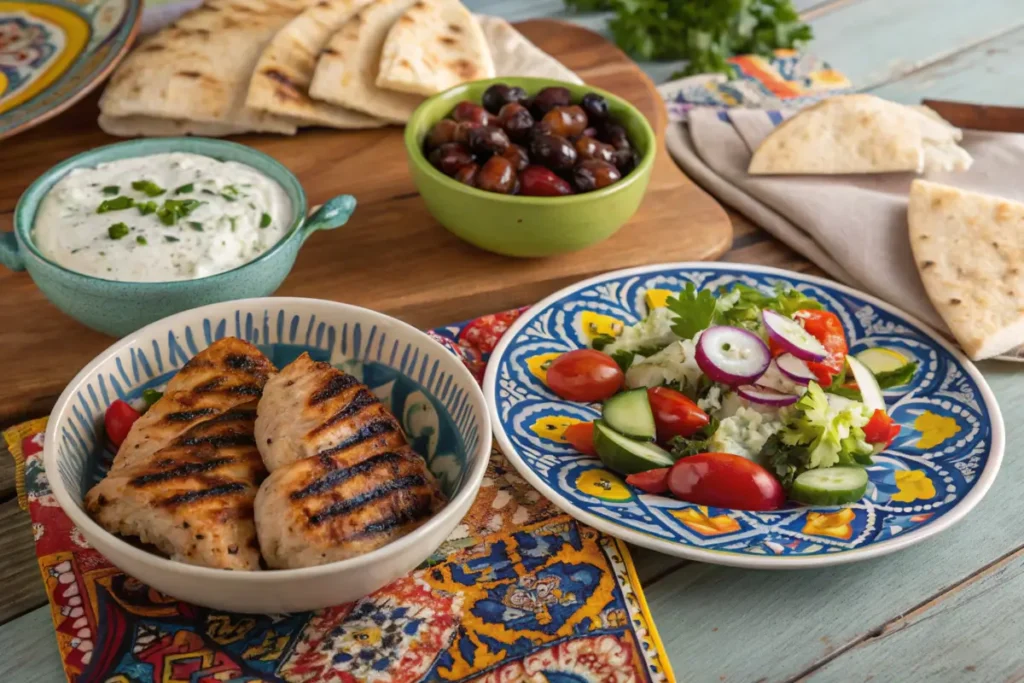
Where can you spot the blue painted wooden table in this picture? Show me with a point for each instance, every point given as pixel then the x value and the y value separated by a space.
pixel 951 609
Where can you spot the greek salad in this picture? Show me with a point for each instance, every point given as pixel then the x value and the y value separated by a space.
pixel 734 399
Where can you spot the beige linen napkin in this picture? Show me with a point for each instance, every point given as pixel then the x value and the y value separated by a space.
pixel 853 227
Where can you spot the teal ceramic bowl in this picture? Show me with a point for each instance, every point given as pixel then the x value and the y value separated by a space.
pixel 118 308
pixel 528 226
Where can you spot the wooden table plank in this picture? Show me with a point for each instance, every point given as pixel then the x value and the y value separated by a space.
pixel 19 572
pixel 788 622
pixel 876 41
pixel 29 649
pixel 971 633
pixel 987 74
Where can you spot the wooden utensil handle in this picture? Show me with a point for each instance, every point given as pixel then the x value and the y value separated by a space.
pixel 979 116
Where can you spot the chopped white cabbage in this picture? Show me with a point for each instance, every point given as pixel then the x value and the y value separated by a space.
pixel 675 363
pixel 744 433
pixel 653 331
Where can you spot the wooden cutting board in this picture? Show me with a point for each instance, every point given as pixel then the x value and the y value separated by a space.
pixel 392 256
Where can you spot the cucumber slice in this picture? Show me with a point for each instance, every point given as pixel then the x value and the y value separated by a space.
pixel 830 486
pixel 870 392
pixel 626 456
pixel 630 413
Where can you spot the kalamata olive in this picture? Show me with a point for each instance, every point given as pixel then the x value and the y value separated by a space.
pixel 450 157
pixel 589 148
pixel 590 132
pixel 549 98
pixel 626 160
pixel 614 134
pixel 462 131
pixel 487 140
pixel 595 106
pixel 470 111
pixel 516 120
pixel 497 175
pixel 537 181
pixel 553 151
pixel 518 156
pixel 442 132
pixel 591 174
pixel 566 121
pixel 498 95
pixel 467 174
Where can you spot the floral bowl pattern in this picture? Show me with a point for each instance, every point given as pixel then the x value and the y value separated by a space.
pixel 944 460
pixel 52 53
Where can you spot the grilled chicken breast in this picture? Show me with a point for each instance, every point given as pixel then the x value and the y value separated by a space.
pixel 186 477
pixel 229 373
pixel 343 479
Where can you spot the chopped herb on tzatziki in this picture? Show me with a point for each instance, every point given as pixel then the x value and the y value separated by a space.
pixel 185 216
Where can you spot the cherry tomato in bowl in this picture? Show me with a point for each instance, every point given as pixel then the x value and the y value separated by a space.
pixel 725 480
pixel 581 437
pixel 118 421
pixel 585 375
pixel 675 414
pixel 881 429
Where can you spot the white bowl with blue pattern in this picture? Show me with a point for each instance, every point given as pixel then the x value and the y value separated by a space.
pixel 433 395
pixel 941 465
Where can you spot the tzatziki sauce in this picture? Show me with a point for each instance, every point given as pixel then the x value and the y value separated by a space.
pixel 160 218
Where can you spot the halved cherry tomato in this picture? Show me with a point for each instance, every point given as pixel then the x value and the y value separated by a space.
pixel 585 375
pixel 581 437
pixel 118 420
pixel 826 327
pixel 651 481
pixel 727 481
pixel 881 429
pixel 675 414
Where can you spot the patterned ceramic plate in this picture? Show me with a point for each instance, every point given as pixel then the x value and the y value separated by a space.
pixel 53 52
pixel 941 465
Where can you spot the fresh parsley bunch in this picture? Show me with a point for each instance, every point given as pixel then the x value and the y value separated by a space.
pixel 705 33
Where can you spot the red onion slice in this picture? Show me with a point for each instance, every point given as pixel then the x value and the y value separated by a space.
pixel 794 369
pixel 792 337
pixel 755 393
pixel 732 355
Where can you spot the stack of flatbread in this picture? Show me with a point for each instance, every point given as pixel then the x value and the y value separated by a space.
pixel 273 66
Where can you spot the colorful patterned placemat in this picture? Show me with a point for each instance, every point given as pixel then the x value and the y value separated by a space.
pixel 518 592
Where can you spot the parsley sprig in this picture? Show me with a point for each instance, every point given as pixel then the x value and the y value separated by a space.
pixel 705 33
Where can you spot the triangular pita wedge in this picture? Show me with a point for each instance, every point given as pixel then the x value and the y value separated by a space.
pixel 514 55
pixel 435 45
pixel 346 74
pixel 151 127
pixel 860 134
pixel 969 249
pixel 198 69
pixel 280 82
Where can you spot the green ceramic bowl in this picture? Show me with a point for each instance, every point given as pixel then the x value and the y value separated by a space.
pixel 528 226
pixel 118 308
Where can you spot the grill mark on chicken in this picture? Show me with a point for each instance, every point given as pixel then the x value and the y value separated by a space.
pixel 238 414
pixel 186 470
pixel 420 510
pixel 382 425
pixel 189 415
pixel 332 479
pixel 193 496
pixel 219 440
pixel 246 364
pixel 334 386
pixel 355 502
pixel 362 399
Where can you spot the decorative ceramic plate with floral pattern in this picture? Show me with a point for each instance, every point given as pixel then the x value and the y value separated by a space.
pixel 942 463
pixel 52 53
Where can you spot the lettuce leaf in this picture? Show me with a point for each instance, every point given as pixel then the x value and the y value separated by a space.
pixel 831 434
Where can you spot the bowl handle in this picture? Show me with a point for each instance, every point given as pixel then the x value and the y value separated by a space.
pixel 334 213
pixel 9 254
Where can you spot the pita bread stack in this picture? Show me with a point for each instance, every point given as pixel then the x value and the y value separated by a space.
pixel 272 66
pixel 969 249
pixel 860 134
